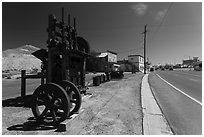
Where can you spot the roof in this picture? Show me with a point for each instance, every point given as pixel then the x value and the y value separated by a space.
pixel 135 55
pixel 197 63
pixel 116 65
pixel 111 52
pixel 102 55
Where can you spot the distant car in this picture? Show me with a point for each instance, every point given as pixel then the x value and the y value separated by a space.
pixel 151 69
pixel 171 69
pixel 162 68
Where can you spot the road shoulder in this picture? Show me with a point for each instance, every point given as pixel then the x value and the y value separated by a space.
pixel 154 122
pixel 113 108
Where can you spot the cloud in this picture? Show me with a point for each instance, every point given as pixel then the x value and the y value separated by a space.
pixel 140 9
pixel 160 15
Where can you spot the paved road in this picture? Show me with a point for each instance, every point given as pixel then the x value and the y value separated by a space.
pixel 181 106
pixel 12 87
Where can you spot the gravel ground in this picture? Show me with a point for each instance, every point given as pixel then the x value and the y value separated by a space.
pixel 114 108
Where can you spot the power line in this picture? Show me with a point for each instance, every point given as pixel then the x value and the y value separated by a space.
pixel 157 30
pixel 169 7
pixel 125 51
pixel 139 48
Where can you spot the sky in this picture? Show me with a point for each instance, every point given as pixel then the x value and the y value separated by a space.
pixel 174 29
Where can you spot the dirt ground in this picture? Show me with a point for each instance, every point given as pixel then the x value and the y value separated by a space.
pixel 114 108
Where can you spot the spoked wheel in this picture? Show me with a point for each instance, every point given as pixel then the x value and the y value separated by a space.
pixel 74 95
pixel 50 104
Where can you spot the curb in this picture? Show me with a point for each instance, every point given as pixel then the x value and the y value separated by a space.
pixel 154 122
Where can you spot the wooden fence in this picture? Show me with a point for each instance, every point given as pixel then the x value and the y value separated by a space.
pixel 23 80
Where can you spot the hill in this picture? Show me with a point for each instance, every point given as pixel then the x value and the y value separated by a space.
pixel 20 59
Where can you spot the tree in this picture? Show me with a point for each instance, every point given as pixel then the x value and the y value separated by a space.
pixel 94 53
pixel 91 64
pixel 83 44
pixel 200 65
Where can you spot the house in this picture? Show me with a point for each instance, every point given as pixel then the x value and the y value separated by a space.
pixel 137 61
pixel 107 61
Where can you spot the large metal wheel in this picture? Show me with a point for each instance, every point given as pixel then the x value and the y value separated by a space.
pixel 50 104
pixel 74 95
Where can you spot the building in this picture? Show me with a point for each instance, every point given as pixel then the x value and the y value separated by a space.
pixel 125 66
pixel 197 66
pixel 137 61
pixel 190 62
pixel 111 56
pixel 107 61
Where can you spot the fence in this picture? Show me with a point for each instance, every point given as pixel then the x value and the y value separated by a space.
pixel 23 80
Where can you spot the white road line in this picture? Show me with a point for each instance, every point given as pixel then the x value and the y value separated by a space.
pixel 180 90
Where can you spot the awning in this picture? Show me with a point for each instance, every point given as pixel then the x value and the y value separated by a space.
pixel 116 65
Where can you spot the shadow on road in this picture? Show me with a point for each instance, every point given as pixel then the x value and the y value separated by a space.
pixel 30 125
pixel 18 102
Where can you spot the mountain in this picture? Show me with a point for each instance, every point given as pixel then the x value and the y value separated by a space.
pixel 26 49
pixel 20 59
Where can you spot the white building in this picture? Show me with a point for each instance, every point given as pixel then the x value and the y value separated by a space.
pixel 112 56
pixel 108 61
pixel 137 61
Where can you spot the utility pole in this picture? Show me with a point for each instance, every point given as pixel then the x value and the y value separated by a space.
pixel 190 62
pixel 145 39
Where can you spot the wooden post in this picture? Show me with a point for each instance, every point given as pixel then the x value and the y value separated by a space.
pixel 23 83
pixel 42 78
pixel 68 20
pixel 83 73
pixel 145 37
pixel 63 15
pixel 42 81
pixel 75 36
pixel 64 54
pixel 50 46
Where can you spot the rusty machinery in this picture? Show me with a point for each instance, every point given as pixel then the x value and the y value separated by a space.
pixel 63 65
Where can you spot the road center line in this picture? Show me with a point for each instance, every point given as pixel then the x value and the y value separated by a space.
pixel 180 90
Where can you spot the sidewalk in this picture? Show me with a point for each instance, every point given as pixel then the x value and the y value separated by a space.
pixel 154 122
